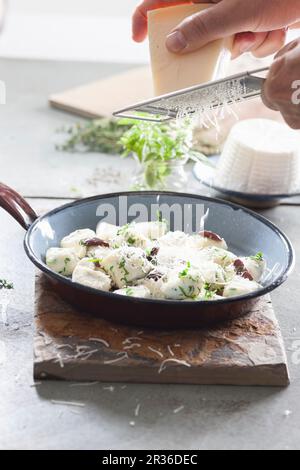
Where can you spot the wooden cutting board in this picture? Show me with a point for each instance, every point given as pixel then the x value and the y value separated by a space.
pixel 70 345
pixel 101 98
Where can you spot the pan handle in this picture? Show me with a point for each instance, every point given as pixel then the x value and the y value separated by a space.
pixel 16 206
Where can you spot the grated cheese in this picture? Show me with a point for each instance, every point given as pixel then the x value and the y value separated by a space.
pixel 130 339
pixel 60 361
pixel 63 346
pixel 46 338
pixel 133 345
pixel 137 410
pixel 155 351
pixel 177 361
pixel 100 340
pixel 177 410
pixel 67 403
pixel 83 384
pixel 110 388
pixel 112 361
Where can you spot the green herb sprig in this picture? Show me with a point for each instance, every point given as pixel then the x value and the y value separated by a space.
pixel 4 284
pixel 258 257
pixel 99 135
pixel 156 145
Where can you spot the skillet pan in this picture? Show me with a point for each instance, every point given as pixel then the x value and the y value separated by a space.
pixel 245 232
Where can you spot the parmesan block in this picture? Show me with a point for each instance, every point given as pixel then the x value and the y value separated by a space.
pixel 173 72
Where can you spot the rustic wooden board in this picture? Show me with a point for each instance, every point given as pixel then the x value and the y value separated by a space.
pixel 101 98
pixel 70 345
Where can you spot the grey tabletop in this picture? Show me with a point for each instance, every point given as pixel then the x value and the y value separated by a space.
pixel 212 417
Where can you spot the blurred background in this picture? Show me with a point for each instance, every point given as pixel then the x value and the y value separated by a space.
pixel 85 30
pixel 89 30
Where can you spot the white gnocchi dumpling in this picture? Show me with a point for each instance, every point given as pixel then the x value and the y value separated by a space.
pixel 128 235
pixel 75 241
pixel 183 285
pixel 91 277
pixel 240 286
pixel 174 239
pixel 98 252
pixel 208 238
pixel 213 273
pixel 134 291
pixel 126 264
pixel 256 266
pixel 152 230
pixel 219 255
pixel 61 260
pixel 106 231
pixel 154 282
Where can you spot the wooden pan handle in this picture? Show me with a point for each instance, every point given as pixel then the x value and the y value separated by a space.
pixel 16 206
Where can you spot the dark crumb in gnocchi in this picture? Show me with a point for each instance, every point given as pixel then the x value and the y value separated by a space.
pixel 155 276
pixel 241 270
pixel 153 253
pixel 211 235
pixel 95 242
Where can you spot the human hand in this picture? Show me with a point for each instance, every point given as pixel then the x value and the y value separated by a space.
pixel 281 91
pixel 259 26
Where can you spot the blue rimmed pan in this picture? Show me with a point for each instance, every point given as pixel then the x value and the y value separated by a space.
pixel 246 233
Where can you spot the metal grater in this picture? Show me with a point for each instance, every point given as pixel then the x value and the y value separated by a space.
pixel 209 96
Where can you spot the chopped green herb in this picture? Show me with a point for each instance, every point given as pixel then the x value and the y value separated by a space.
pixel 184 273
pixel 148 251
pixel 159 216
pixel 190 294
pixel 95 260
pixel 131 240
pixel 258 257
pixel 129 292
pixel 6 285
pixel 123 230
pixel 122 266
pixel 209 293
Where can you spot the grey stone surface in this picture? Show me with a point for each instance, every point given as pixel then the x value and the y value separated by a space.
pixel 213 417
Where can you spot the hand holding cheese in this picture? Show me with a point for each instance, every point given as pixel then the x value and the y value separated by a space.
pixel 171 72
pixel 258 25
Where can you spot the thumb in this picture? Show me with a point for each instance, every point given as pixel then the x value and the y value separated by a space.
pixel 221 20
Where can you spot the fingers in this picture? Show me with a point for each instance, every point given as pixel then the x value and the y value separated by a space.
pixel 270 88
pixel 246 42
pixel 215 22
pixel 281 91
pixel 259 44
pixel 292 120
pixel 139 19
pixel 274 41
pixel 288 48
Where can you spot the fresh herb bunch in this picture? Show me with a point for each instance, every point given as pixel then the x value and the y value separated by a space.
pixel 99 135
pixel 156 145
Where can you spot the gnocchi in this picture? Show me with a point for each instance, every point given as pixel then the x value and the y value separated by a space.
pixel 145 260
